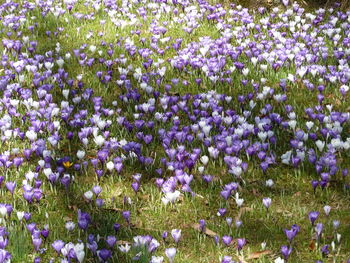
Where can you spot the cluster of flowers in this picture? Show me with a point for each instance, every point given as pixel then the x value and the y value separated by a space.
pixel 44 110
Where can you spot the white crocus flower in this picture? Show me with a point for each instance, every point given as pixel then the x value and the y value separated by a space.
pixel 320 145
pixel 124 248
pixel 170 197
pixel 204 159
pixel 170 253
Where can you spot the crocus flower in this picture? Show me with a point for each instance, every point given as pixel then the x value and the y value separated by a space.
pixel 229 221
pixel 313 216
pixel 126 216
pixel 240 243
pixel 336 224
pixel 267 202
pixel 135 186
pixel 57 245
pixel 11 186
pixel 104 254
pixel 226 240
pixel 170 197
pixel 170 253
pixel 70 225
pixel 84 220
pixel 116 227
pixel 164 235
pixel 286 251
pixel 325 250
pixel 202 225
pixel 79 252
pixel 269 183
pixel 111 241
pixel 156 259
pixel 318 229
pixel 99 202
pixel 97 190
pixel 88 195
pixel 176 234
pixel 124 248
pixel 36 243
pixel 238 223
pixel 290 234
pixel 327 209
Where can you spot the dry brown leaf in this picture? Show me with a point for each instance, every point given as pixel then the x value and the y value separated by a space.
pixel 259 254
pixel 207 230
pixel 312 245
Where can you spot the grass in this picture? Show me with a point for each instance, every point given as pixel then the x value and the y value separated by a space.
pixel 292 195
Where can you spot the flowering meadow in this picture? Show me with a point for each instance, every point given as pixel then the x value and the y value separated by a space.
pixel 173 131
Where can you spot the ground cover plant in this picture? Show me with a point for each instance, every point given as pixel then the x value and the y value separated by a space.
pixel 173 131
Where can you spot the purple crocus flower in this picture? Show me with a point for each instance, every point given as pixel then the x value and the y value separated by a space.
pixel 97 190
pixel 116 227
pixel 3 242
pixel 176 234
pixel 99 173
pixel 118 167
pixel 99 202
pixel 5 256
pixel 57 245
pixel 37 243
pixel 314 184
pixel 126 216
pixel 325 250
pixel 31 227
pixel 111 241
pixel 313 216
pixel 27 216
pixel 225 194
pixel 221 211
pixel 286 251
pixel 226 240
pixel 202 225
pixel 84 220
pixel 240 243
pixel 285 2
pixel 164 235
pixel 11 186
pixel 104 254
pixel 319 228
pixel 290 233
pixel 135 186
pixel 227 259
pixel 45 232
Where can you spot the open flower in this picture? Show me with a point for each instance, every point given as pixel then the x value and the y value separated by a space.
pixel 170 253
